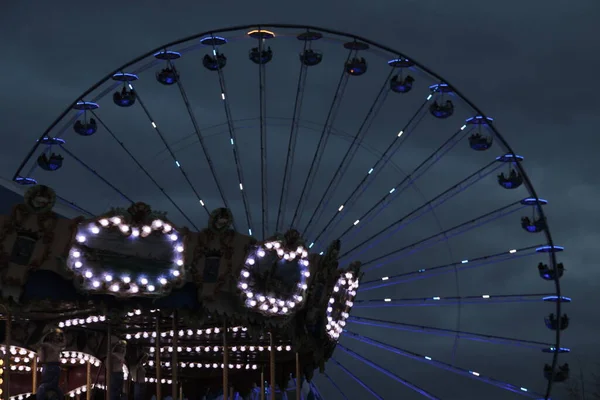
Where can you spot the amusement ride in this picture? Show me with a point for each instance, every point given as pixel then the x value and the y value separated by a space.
pixel 278 212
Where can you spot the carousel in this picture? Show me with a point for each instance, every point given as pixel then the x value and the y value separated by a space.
pixel 127 304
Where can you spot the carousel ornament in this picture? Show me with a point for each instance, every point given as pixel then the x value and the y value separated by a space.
pixel 40 199
pixel 117 376
pixel 52 343
pixel 138 375
pixel 221 220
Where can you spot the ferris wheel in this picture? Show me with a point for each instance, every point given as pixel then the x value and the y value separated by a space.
pixel 340 138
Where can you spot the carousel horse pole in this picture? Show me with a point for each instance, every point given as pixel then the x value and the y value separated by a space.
pixel 117 374
pixel 6 356
pixel 157 359
pixel 225 362
pixel 272 365
pixel 262 383
pixel 298 379
pixel 174 362
pixel 34 374
pixel 108 363
pixel 88 380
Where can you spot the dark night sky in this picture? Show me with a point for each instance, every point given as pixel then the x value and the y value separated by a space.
pixel 530 65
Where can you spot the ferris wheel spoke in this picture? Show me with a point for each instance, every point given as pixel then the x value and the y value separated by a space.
pixel 350 153
pixel 74 206
pixel 408 181
pixel 437 301
pixel 356 378
pixel 95 173
pixel 387 155
pixel 389 374
pixel 141 167
pixel 325 133
pixel 424 273
pixel 448 367
pixel 335 385
pixel 200 137
pixel 262 82
pixel 446 235
pixel 464 335
pixel 232 137
pixel 170 150
pixel 429 206
pixel 291 148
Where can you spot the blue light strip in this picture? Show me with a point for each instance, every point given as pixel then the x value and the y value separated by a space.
pixel 384 371
pixel 477 337
pixel 425 273
pixel 448 367
pixel 436 301
pixel 351 375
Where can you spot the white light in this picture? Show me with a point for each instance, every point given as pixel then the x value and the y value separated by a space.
pixel 385 278
pixel 103 222
pixel 78 264
pixel 144 281
pixel 88 274
pixel 173 237
pixel 400 133
pixel 162 281
pixel 126 279
pixel 153 125
pixel 114 288
pixel 95 230
pixel 356 222
pixel 80 238
pixel 513 251
pixel 222 96
pixel 241 186
pixel 387 300
pixel 370 171
pixel 464 261
pixel 150 288
pixel 95 284
pixel 108 278
pixel 341 208
pixel 486 296
pixel 201 202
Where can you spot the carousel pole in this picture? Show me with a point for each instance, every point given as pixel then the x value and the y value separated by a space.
pixel 34 374
pixel 262 383
pixel 298 378
pixel 225 362
pixel 108 362
pixel 157 359
pixel 272 365
pixel 175 365
pixel 7 340
pixel 88 381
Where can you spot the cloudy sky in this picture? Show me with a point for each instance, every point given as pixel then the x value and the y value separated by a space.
pixel 530 65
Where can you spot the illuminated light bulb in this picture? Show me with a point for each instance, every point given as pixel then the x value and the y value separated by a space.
pixel 96 284
pixel 150 288
pixel 114 288
pixel 95 230
pixel 108 278
pixel 146 229
pixel 179 262
pixel 162 281
pixel 269 245
pixel 135 232
pixel 124 228
pixel 103 222
pixel 173 237
pixel 157 223
pixel 88 274
pixel 307 274
pixel 126 279
pixel 286 256
pixel 244 286
pixel 78 264
pixel 260 253
pixel 245 274
pixel 279 252
pixel 175 272
pixel 179 248
pixel 144 281
pixel 284 310
pixel 250 261
pixel 80 238
pixel 167 228
pixel 76 254
pixel 116 220
pixel 277 245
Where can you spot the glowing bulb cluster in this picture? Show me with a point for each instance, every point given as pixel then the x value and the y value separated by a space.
pixel 219 349
pixel 20 358
pixel 337 314
pixel 182 333
pixel 268 303
pixel 83 389
pixel 125 284
pixel 82 321
pixel 76 357
pixel 167 364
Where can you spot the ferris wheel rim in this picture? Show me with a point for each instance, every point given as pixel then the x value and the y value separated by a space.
pixel 527 182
